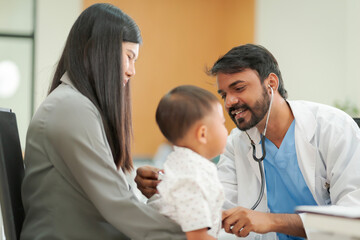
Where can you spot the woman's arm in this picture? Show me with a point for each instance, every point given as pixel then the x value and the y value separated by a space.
pixel 79 140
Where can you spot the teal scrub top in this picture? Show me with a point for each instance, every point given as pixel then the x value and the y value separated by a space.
pixel 285 184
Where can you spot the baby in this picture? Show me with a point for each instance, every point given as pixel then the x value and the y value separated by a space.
pixel 190 192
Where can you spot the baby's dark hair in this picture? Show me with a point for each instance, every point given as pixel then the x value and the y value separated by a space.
pixel 180 108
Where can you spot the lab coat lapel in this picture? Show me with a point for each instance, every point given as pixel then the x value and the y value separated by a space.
pixel 305 125
pixel 255 136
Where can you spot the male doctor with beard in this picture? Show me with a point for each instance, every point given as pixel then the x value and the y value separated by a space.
pixel 307 153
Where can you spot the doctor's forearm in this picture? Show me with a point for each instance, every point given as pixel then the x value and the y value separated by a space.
pixel 290 224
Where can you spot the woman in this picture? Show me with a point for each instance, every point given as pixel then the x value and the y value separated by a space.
pixel 78 142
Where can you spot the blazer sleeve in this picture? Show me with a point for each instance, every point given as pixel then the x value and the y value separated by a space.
pixel 79 139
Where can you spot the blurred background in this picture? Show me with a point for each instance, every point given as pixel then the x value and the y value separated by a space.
pixel 316 43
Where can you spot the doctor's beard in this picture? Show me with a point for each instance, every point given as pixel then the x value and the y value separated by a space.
pixel 257 112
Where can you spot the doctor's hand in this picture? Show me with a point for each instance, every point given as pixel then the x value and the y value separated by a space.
pixel 241 221
pixel 147 179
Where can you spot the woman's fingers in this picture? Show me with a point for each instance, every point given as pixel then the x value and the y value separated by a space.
pixel 147 180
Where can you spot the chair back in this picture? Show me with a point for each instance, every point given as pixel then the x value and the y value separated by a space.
pixel 357 120
pixel 11 175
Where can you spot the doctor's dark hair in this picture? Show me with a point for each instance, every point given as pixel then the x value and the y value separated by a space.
pixel 92 59
pixel 182 107
pixel 251 56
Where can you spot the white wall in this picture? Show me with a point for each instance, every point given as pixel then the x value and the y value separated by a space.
pixel 16 18
pixel 54 20
pixel 316 44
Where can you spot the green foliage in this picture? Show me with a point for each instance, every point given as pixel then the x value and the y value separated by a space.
pixel 349 107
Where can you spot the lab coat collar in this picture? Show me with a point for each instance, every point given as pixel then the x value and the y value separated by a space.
pixel 304 118
pixel 305 125
pixel 254 134
pixel 256 137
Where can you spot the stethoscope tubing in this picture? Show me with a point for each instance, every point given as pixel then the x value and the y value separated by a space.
pixel 261 194
pixel 259 160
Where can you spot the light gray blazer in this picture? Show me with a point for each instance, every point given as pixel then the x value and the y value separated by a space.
pixel 72 188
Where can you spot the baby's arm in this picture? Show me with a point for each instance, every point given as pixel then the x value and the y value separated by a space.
pixel 200 234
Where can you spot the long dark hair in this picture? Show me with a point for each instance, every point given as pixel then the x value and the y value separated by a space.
pixel 92 59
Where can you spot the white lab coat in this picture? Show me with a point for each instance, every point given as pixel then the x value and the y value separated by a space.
pixel 327 144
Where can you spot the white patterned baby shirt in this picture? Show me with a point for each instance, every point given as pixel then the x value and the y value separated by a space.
pixel 190 192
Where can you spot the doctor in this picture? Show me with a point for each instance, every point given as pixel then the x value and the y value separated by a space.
pixel 311 151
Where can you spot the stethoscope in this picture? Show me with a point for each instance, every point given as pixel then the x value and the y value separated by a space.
pixel 259 160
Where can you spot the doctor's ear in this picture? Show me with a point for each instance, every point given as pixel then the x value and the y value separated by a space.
pixel 272 82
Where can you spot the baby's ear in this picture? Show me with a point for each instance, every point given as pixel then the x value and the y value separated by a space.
pixel 201 134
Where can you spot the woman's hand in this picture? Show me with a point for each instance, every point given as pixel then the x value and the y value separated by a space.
pixel 147 179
